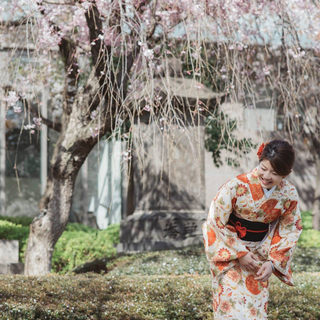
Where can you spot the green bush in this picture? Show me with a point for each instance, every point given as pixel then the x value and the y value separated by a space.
pixel 309 237
pixel 71 226
pixel 306 217
pixel 24 221
pixel 11 231
pixel 78 243
pixel 75 248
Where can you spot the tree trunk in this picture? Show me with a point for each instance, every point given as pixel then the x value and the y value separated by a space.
pixel 84 194
pixel 69 155
pixel 46 229
pixel 70 152
pixel 316 203
pixel 2 155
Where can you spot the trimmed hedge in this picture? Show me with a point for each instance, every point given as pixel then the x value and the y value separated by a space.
pixel 171 297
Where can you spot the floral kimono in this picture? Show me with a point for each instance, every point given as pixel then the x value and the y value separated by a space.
pixel 236 294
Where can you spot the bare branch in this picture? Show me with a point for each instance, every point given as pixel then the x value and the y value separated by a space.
pixel 67 50
pixel 15 23
pixel 72 3
pixel 36 112
pixel 100 52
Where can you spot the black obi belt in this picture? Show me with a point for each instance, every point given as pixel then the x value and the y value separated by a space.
pixel 249 230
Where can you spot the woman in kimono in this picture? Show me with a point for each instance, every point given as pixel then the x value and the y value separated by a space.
pixel 252 228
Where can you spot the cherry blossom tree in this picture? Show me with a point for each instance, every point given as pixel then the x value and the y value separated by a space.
pixel 302 113
pixel 103 61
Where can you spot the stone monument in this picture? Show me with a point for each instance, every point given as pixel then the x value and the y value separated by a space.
pixel 168 190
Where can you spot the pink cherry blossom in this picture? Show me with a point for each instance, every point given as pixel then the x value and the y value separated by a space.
pixel 12 98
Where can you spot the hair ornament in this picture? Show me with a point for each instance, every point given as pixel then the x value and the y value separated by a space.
pixel 272 153
pixel 260 150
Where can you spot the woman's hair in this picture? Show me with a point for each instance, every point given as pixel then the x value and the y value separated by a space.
pixel 281 155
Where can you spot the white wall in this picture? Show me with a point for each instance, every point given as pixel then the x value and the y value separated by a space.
pixel 258 124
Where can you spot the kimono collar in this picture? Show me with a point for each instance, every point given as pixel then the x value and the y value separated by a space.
pixel 267 192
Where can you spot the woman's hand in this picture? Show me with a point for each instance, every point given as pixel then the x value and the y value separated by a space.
pixel 248 262
pixel 265 272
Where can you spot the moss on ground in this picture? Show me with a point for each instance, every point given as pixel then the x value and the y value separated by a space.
pixel 92 296
pixel 192 260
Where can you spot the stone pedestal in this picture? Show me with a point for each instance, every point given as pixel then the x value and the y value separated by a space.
pixel 169 191
pixel 9 257
pixel 160 230
pixel 12 268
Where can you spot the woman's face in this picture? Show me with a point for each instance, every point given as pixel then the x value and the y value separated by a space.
pixel 267 176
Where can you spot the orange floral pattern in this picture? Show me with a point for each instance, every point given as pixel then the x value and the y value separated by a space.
pixel 299 224
pixel 286 205
pixel 272 216
pixel 241 190
pixel 252 285
pixel 288 219
pixel 225 306
pixel 243 177
pixel 231 241
pixel 256 191
pixel 276 237
pixel 278 254
pixel 220 225
pixel 245 196
pixel 269 205
pixel 275 254
pixel 254 174
pixel 292 206
pixel 220 289
pixel 271 213
pixel 230 295
pixel 234 275
pixel 241 254
pixel 215 304
pixel 211 237
pixel 253 312
pixel 224 254
pixel 222 265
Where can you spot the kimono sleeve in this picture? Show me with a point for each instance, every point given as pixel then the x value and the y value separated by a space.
pixel 221 243
pixel 285 238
